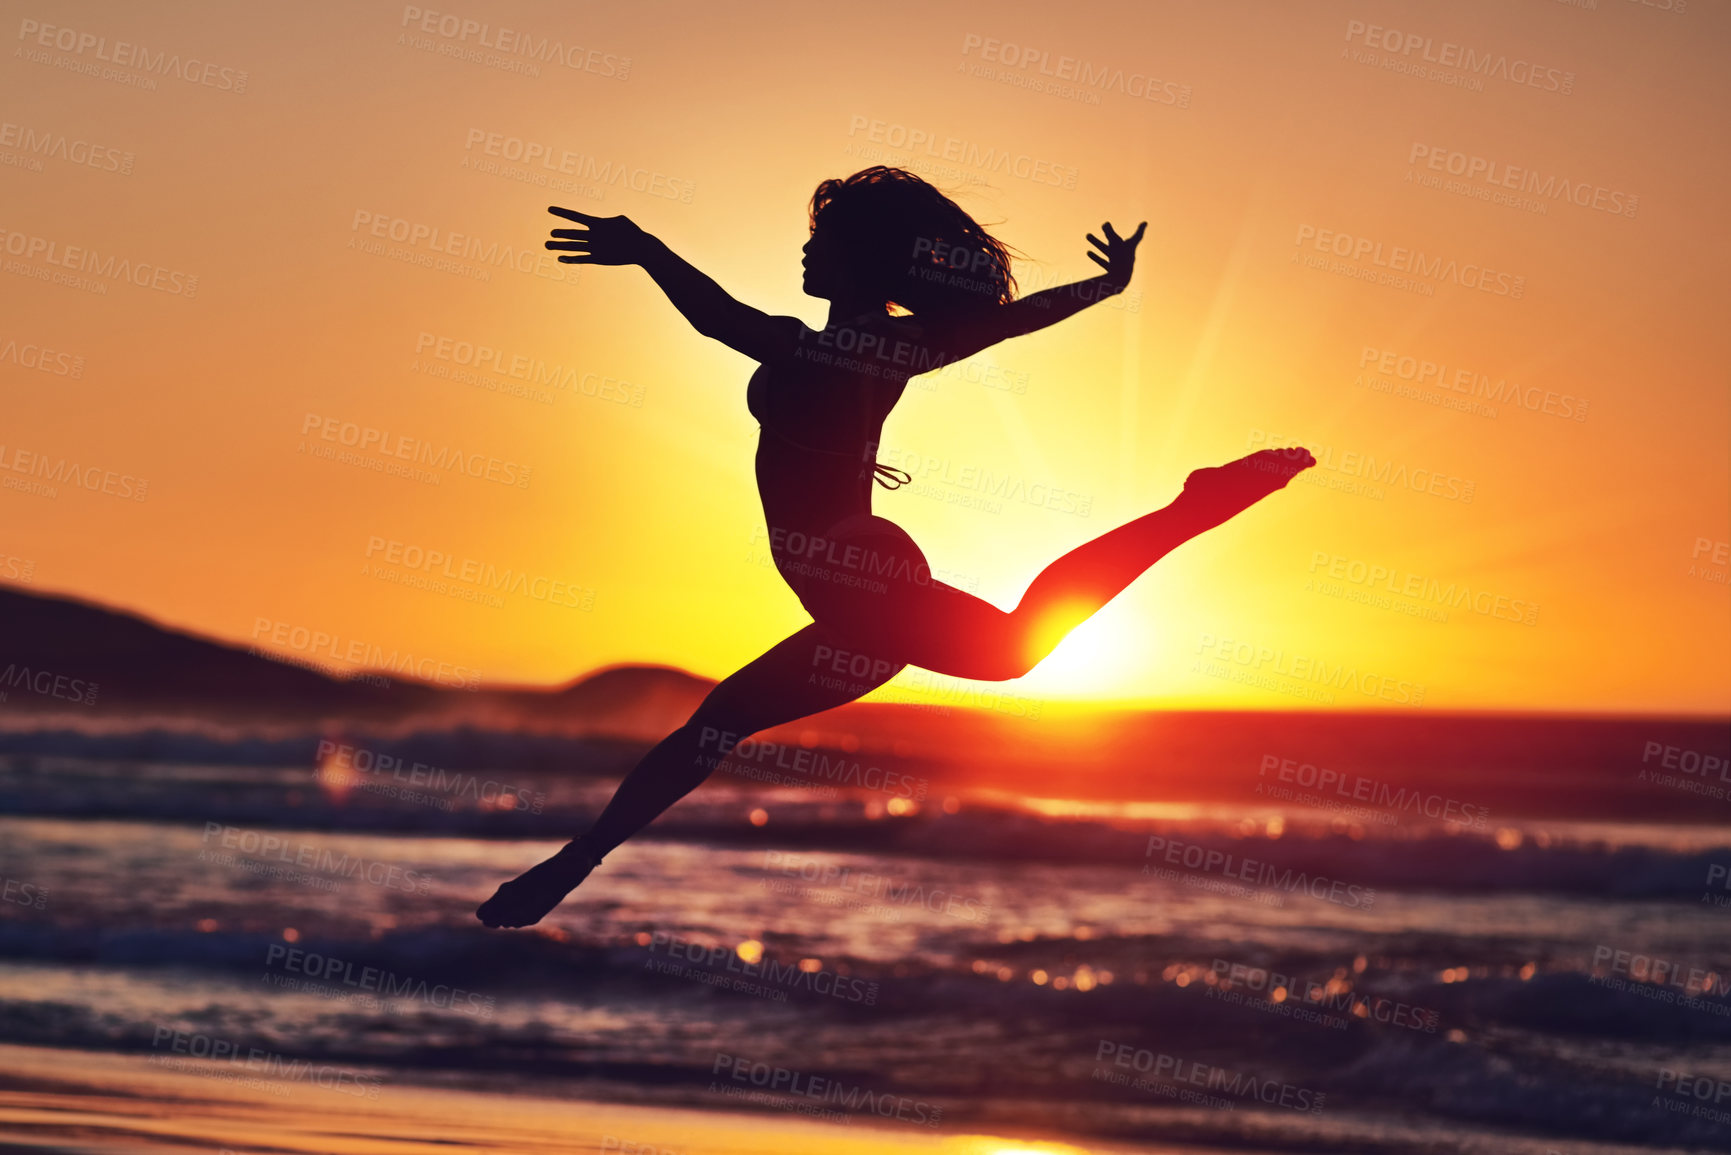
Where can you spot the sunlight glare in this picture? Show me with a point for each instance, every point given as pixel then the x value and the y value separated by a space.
pixel 1097 659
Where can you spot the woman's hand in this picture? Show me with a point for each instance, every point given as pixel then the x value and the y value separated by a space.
pixel 1120 252
pixel 602 240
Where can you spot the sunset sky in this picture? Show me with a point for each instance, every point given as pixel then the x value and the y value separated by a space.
pixel 1581 509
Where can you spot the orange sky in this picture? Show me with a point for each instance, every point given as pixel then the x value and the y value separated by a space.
pixel 1258 140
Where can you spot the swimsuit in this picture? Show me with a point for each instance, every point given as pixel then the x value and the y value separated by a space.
pixel 820 428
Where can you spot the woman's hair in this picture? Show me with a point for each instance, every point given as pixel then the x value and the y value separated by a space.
pixel 910 244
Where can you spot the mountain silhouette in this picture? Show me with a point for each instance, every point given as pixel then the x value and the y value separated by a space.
pixel 71 661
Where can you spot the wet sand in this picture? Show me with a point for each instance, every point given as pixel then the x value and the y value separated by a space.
pixel 65 1101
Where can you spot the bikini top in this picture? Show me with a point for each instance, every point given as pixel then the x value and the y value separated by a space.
pixel 774 404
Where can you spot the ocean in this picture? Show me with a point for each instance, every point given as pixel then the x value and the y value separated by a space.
pixel 1314 964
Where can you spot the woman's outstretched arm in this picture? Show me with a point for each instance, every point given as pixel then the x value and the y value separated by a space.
pixel 976 331
pixel 709 307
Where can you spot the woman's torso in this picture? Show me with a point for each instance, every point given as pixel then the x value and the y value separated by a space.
pixel 822 408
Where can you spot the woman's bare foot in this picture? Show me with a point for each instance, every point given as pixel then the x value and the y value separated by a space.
pixel 527 899
pixel 1226 490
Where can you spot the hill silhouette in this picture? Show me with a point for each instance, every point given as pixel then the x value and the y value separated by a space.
pixel 70 661
pixel 169 694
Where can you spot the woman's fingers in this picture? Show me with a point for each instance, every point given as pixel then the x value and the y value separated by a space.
pixel 572 215
pixel 1107 228
pixel 1099 260
pixel 1097 241
pixel 571 234
pixel 580 259
pixel 570 246
pixel 1136 239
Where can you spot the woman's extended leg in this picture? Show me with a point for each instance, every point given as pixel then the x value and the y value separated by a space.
pixel 811 671
pixel 946 630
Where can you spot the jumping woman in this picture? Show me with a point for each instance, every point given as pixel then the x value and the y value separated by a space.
pixel 881 238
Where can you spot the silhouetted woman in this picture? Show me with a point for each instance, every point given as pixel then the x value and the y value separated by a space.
pixel 879 238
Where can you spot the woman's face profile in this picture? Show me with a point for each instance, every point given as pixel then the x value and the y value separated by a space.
pixel 822 265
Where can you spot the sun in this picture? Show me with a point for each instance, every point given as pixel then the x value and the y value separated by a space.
pixel 1097 659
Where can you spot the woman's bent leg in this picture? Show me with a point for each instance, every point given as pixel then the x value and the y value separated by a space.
pixel 807 673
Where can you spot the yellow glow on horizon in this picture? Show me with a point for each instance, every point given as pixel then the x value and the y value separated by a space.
pixel 985 1146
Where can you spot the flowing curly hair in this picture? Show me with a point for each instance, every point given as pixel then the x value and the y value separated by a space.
pixel 911 245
